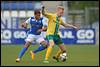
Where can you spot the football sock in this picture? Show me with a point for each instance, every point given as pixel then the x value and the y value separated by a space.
pixel 58 53
pixel 22 52
pixel 40 48
pixel 48 53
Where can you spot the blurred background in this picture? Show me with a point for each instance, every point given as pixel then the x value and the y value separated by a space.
pixel 83 13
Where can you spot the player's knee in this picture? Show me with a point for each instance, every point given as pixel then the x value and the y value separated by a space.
pixel 27 44
pixel 44 43
pixel 51 44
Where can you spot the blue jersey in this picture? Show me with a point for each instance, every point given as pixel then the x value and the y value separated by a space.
pixel 35 25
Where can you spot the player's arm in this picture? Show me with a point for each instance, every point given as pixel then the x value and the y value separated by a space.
pixel 68 25
pixel 45 24
pixel 44 13
pixel 43 29
pixel 25 24
pixel 43 10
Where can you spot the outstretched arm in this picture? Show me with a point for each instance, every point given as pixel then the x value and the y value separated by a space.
pixel 69 25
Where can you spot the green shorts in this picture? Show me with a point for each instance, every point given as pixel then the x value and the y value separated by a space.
pixel 56 38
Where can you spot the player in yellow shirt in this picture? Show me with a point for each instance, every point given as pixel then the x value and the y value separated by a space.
pixel 52 31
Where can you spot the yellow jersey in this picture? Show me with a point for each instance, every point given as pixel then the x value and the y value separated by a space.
pixel 52 23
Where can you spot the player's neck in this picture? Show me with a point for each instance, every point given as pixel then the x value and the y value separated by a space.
pixel 58 15
pixel 37 18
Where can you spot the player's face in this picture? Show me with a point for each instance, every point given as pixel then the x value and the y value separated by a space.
pixel 60 12
pixel 37 15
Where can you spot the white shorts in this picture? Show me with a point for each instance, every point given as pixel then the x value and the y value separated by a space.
pixel 32 37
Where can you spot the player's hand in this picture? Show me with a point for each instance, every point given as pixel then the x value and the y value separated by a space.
pixel 43 6
pixel 39 31
pixel 23 25
pixel 77 27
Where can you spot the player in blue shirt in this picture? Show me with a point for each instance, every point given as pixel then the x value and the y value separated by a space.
pixel 36 27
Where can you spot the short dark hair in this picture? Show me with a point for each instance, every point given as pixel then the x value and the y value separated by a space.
pixel 37 11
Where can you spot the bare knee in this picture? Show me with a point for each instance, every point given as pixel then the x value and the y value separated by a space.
pixel 51 43
pixel 27 44
pixel 44 43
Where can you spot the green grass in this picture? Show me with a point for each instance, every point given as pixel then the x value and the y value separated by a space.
pixel 78 55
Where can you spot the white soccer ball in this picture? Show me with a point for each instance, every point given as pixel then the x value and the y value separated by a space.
pixel 63 57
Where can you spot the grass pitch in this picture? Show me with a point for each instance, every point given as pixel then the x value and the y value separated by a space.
pixel 78 55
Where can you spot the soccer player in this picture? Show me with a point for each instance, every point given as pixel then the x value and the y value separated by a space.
pixel 36 27
pixel 54 21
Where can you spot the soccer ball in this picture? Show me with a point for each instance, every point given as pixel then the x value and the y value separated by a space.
pixel 63 57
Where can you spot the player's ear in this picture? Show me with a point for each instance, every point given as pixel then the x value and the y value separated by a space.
pixel 57 9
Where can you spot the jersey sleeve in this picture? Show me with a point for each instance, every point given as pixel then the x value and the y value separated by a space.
pixel 28 21
pixel 45 21
pixel 61 21
pixel 48 15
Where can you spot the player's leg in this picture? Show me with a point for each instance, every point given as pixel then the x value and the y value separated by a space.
pixel 40 48
pixel 28 40
pixel 49 49
pixel 43 45
pixel 27 44
pixel 57 55
pixel 61 49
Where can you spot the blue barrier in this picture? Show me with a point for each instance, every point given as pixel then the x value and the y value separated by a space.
pixel 82 36
pixel 68 36
pixel 17 5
